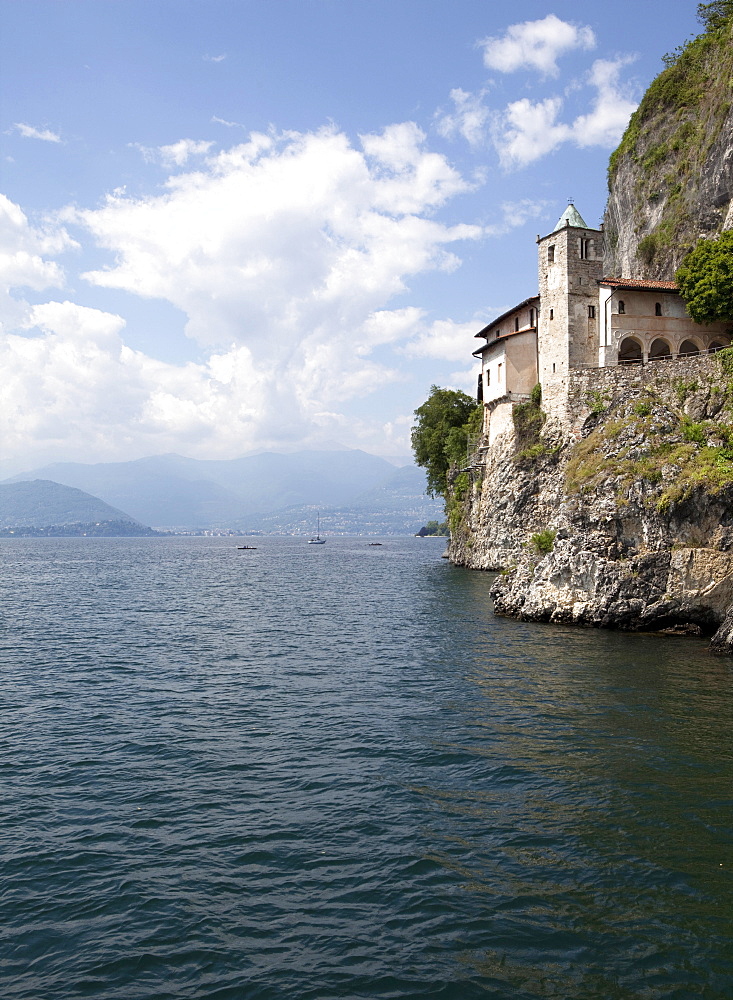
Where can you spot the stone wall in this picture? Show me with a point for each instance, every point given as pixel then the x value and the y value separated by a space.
pixel 570 399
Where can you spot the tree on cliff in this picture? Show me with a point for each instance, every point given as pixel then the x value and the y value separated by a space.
pixel 716 14
pixel 440 436
pixel 705 279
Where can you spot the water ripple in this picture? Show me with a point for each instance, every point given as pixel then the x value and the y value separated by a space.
pixel 334 774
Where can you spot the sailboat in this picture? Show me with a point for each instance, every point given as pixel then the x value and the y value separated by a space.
pixel 317 540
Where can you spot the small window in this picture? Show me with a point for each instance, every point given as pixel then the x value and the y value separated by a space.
pixel 551 254
pixel 591 312
pixel 516 323
pixel 552 313
pixel 657 308
pixel 498 333
pixel 621 307
pixel 584 249
pixel 488 376
pixel 553 367
pixel 531 317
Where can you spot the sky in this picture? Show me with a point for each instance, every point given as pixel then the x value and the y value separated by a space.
pixel 230 226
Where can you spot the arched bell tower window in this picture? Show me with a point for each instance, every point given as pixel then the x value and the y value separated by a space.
pixel 621 307
pixel 657 308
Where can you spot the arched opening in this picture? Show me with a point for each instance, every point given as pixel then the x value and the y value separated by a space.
pixel 660 350
pixel 621 307
pixel 715 346
pixel 688 347
pixel 629 353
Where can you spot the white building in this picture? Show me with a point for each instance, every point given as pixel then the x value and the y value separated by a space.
pixel 581 319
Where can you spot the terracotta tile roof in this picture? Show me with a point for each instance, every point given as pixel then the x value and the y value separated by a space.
pixel 642 283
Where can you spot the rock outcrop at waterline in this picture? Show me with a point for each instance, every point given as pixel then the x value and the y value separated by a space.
pixel 629 527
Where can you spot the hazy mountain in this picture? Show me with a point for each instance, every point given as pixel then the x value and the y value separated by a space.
pixel 398 505
pixel 172 491
pixel 42 504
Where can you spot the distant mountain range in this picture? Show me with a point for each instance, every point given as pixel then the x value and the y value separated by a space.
pixel 354 491
pixel 41 507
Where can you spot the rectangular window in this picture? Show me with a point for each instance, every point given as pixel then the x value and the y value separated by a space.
pixel 552 313
pixel 591 312
pixel 553 367
pixel 516 323
pixel 584 249
pixel 551 254
pixel 531 317
pixel 488 376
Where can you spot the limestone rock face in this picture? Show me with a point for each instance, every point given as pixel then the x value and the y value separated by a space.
pixel 631 527
pixel 671 179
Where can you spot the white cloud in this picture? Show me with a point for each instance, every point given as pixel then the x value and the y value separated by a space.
pixel 605 123
pixel 528 130
pixel 446 340
pixel 29 132
pixel 223 121
pixel 24 263
pixel 178 153
pixel 468 119
pixel 284 252
pixel 515 214
pixel 535 45
pixel 215 59
pixel 285 239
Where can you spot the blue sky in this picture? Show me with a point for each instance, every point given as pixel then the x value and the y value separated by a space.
pixel 231 226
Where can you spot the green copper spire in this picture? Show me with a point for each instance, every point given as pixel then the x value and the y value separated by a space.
pixel 571 217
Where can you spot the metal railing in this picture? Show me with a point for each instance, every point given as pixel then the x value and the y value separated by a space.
pixel 627 362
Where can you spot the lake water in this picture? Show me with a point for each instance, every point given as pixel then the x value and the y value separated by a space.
pixel 329 772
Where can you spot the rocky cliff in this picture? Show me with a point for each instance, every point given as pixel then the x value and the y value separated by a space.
pixel 619 514
pixel 629 527
pixel 671 178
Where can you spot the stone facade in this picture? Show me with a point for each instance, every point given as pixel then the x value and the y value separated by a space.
pixel 581 320
pixel 570 264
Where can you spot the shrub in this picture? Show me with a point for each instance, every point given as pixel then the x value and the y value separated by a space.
pixel 528 421
pixel 544 541
pixel 694 433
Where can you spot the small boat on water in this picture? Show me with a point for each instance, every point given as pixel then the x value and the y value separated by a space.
pixel 252 548
pixel 317 540
pixel 374 543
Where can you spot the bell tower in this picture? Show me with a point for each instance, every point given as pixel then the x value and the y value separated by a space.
pixel 570 264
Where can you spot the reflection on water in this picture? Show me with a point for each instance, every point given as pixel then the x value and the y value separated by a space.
pixel 333 773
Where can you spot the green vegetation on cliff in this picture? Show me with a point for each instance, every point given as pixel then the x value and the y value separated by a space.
pixel 668 453
pixel 446 422
pixel 671 134
pixel 706 279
